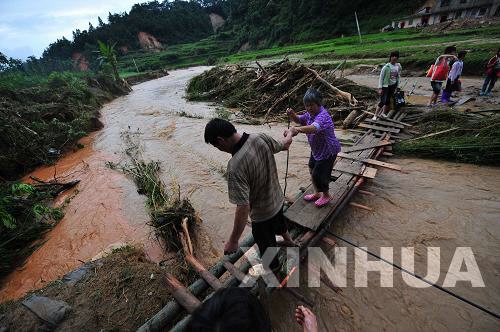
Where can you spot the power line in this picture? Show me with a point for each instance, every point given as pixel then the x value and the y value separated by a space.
pixel 420 277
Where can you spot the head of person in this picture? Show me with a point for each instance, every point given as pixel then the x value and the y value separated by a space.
pixel 312 101
pixel 219 133
pixel 230 310
pixel 393 58
pixel 461 54
pixel 450 50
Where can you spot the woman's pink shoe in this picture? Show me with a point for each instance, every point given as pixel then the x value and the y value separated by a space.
pixel 322 201
pixel 311 197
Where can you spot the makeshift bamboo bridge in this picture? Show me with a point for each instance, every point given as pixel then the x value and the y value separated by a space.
pixel 308 224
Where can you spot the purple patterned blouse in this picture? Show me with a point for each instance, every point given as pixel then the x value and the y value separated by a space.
pixel 323 143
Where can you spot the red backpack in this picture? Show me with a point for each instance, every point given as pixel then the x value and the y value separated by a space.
pixel 440 71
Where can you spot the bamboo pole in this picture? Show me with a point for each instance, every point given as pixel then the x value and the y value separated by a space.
pixel 181 294
pixel 172 308
pixel 203 272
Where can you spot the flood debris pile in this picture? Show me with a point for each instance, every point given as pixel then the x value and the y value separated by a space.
pixel 118 292
pixel 25 216
pixel 266 92
pixel 38 123
pixel 452 135
pixel 171 215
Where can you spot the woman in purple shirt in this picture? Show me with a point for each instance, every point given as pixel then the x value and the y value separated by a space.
pixel 317 124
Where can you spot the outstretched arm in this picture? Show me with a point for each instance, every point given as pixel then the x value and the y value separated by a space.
pixel 240 221
pixel 311 129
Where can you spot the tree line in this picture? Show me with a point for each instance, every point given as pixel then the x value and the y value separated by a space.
pixel 260 23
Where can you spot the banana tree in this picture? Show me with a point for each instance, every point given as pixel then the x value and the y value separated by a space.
pixel 108 54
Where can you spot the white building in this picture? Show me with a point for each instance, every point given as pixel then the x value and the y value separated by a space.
pixel 438 11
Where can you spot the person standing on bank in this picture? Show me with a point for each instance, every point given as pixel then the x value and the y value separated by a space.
pixel 317 124
pixel 253 185
pixel 453 82
pixel 390 76
pixel 492 73
pixel 439 72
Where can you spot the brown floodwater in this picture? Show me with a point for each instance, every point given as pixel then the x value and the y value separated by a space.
pixel 432 204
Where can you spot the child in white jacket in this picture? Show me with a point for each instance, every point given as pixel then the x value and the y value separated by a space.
pixel 453 76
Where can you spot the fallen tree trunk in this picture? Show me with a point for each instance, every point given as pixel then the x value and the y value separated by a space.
pixel 344 95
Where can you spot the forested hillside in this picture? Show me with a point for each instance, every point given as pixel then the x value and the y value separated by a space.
pixel 263 23
pixel 168 22
pixel 260 23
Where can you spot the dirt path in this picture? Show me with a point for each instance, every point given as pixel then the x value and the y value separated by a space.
pixel 435 204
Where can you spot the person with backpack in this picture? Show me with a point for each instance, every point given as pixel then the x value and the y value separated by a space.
pixel 439 72
pixel 492 73
pixel 390 76
pixel 453 82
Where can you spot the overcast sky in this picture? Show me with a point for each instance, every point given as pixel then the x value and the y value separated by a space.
pixel 27 27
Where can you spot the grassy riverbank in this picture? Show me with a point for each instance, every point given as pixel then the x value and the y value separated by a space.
pixel 418 50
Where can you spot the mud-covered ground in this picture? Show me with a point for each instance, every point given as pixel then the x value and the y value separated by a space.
pixel 118 293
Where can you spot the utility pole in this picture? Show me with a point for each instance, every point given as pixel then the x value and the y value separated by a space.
pixel 135 64
pixel 357 24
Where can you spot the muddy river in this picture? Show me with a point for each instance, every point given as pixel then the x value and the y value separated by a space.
pixel 436 204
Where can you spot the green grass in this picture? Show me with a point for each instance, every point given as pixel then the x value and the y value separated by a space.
pixel 475 141
pixel 418 50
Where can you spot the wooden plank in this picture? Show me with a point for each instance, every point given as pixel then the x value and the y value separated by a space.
pixel 307 214
pixel 356 169
pixel 395 136
pixel 464 99
pixel 384 123
pixel 371 161
pixel 356 131
pixel 389 130
pixel 181 294
pixel 391 120
pixel 367 139
pixel 367 146
pixel 310 216
pixel 369 173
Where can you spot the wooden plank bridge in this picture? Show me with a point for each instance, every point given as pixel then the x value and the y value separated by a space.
pixel 308 223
